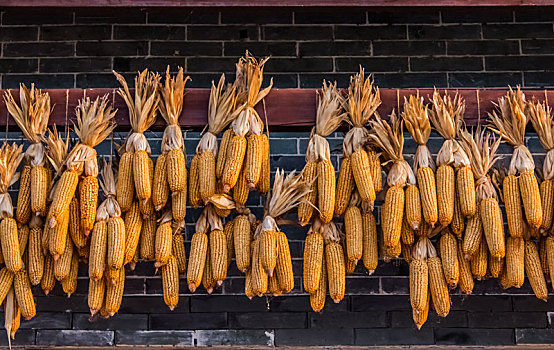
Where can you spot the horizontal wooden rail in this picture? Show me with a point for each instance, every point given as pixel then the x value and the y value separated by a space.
pixel 271 3
pixel 285 108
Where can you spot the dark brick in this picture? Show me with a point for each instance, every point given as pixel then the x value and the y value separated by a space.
pixel 533 14
pixel 410 80
pixel 233 337
pixel 507 320
pixel 372 32
pixel 61 304
pixel 515 31
pixel 362 285
pixel 468 336
pixel 109 16
pixel 373 64
pixel 302 304
pixel 394 336
pixel 62 65
pixel 243 32
pixel 183 15
pixel 314 337
pixel 403 15
pixel 457 32
pixel 112 48
pixel 236 48
pixel 227 304
pixel 408 48
pixel 446 64
pixel 299 65
pixel 23 337
pixel 149 33
pixel 176 338
pixel 484 79
pixel 196 320
pixel 531 303
pixel 348 319
pixel 18 65
pixel 143 304
pixel 371 303
pixel 134 286
pixel 315 80
pixel 288 163
pixel 283 146
pixel 120 321
pixel 257 16
pixel 477 14
pixel 129 64
pixel 534 336
pixel 403 319
pixel 395 285
pixel 482 303
pixel 51 81
pixel 47 320
pixel 38 49
pixel 74 338
pixel 92 80
pixel 22 16
pixel 518 63
pixel 329 15
pixel 482 47
pixel 66 33
pixel 162 48
pixel 210 64
pixel 297 33
pixel 267 320
pixel 539 79
pixel 26 33
pixel 326 48
pixel 537 46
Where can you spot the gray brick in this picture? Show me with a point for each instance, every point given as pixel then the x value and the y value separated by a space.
pixel 47 320
pixel 314 337
pixel 267 320
pixel 394 336
pixel 119 321
pixel 75 338
pixel 467 336
pixel 234 337
pixel 23 338
pixel 534 336
pixel 176 338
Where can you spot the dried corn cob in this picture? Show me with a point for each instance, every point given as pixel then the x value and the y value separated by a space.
pixel 178 251
pixel 170 283
pixel 437 283
pixel 465 280
pixel 160 186
pixel 419 278
pixel 133 226
pixel 313 257
pixel 263 184
pixel 354 230
pixel 512 202
pixel 306 207
pixel 317 298
pixel 283 268
pixel 77 235
pixel 334 258
pixel 69 284
pixel 515 261
pixel 479 261
pixel 413 206
pixel 48 280
pixel 148 238
pixel 198 252
pixel 449 258
pixel 62 266
pixel 457 224
pixel 218 254
pixel 22 288
pixel 242 238
pixel 344 188
pixel 534 272
pixel 259 277
pixel 370 253
pixel 164 241
pixel 550 257
pixel 495 266
pixel 114 294
pixel 228 230
pixel 23 209
pixel 96 291
pixel 36 257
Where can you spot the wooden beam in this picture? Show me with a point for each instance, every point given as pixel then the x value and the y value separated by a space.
pixel 284 108
pixel 270 3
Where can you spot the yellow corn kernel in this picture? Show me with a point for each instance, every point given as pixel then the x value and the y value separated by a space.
pixel 479 261
pixel 96 291
pixel 176 170
pixel 164 241
pixel 419 283
pixel 206 175
pixel 234 159
pixel 116 243
pixel 23 294
pixel 39 189
pixel 473 236
pixel 317 298
pixel 242 238
pixel 264 182
pixel 48 280
pixel 465 280
pixel 148 238
pixel 428 193
pixel 283 268
pixel 438 287
pixel 268 251
pixel 449 256
pixel 222 152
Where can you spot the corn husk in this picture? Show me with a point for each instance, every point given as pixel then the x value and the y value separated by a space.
pixel 10 157
pixel 540 115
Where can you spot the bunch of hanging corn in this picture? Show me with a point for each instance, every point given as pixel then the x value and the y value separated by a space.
pixel 509 122
pixel 359 167
pixel 135 165
pixel 32 119
pixel 246 146
pixel 481 149
pixel 271 266
pixel 319 172
pixel 170 174
pixel 222 110
pixel 446 115
pixel 398 204
pixel 94 123
pixel 416 116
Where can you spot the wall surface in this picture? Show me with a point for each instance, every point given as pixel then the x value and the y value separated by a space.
pixel 464 47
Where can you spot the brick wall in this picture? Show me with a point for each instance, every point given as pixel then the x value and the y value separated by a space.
pixel 463 47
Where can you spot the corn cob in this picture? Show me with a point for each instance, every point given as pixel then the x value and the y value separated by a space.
pixel 259 274
pixel 77 235
pixel 197 260
pixel 48 280
pixel 98 250
pixel 10 244
pixel 273 287
pixel 160 186
pixel 413 207
pixel 407 252
pixel 370 253
pixel 354 233
pixel 39 189
pixel 248 287
pixel 534 271
pixel 96 291
pixel 164 241
pixel 88 201
pixel 176 170
pixel 420 317
pixel 65 190
pixel 391 214
pixel 179 205
pixel 515 261
pixel 206 168
pixel 345 186
pixel 268 250
pixel 313 257
pixel 133 226
pixel 326 189
pixel 58 235
pixel 125 182
pixel 218 255
pixel 305 208
pixel 240 191
pixel 427 186
pixel 465 280
pixel 438 287
pixel 393 252
pixel 112 275
pixel 361 170
pixel 264 182
pixel 473 236
pixel 449 257
pixel 221 154
pixel 419 282
pixel 457 223
pixel 334 258
pixel 6 282
pixel 406 234
pixel 283 267
pixel 547 203
pixel 530 195
pixel 465 187
pixel 550 257
pixel 194 182
pixel 493 227
pixel 228 230
pixel 148 238
pixel 116 243
pixel 62 266
pixel 479 261
pixel 445 194
pixel 495 266
pixel 36 256
pixel 253 160
pixel 23 209
pixel 317 298
pixel 23 293
pixel 141 169
pixel 235 155
pixel 22 238
pixel 544 258
pixel 375 170
pixel 242 238
pixel 170 282
pixel 69 284
pixel 114 294
pixel 350 265
pixel 512 202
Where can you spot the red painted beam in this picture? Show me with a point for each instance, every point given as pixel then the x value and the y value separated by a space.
pixel 271 3
pixel 286 108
